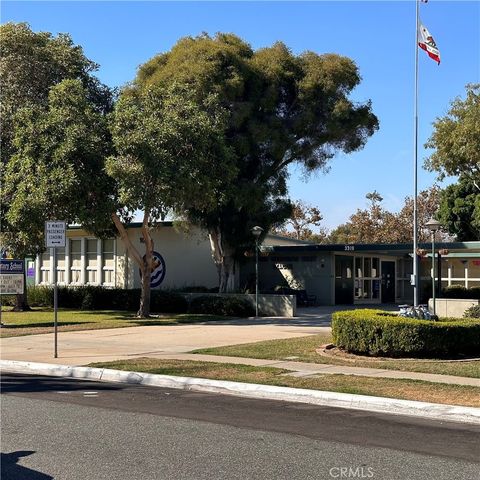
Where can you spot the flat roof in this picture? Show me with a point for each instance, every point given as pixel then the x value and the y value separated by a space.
pixel 371 247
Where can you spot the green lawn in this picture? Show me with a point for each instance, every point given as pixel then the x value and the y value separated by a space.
pixel 40 320
pixel 303 348
pixel 381 387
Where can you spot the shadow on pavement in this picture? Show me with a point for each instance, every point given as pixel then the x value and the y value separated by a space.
pixel 10 470
pixel 17 383
pixel 306 316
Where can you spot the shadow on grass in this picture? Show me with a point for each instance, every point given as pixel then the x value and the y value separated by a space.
pixel 42 324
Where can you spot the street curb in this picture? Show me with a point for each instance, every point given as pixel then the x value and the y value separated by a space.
pixel 433 411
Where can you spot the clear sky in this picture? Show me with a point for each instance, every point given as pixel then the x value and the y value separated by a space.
pixel 378 35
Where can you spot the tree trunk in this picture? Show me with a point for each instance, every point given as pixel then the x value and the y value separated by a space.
pixel 21 300
pixel 144 263
pixel 144 310
pixel 223 256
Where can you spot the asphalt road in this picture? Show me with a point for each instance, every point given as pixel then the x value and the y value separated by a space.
pixel 66 430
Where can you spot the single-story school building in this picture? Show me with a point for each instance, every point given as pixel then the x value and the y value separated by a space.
pixel 335 274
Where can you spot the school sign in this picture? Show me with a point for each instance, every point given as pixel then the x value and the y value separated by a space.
pixel 11 277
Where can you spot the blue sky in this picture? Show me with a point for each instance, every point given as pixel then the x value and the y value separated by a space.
pixel 378 35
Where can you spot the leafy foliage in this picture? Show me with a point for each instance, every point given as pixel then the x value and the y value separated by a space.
pixel 167 151
pixel 217 305
pixel 459 291
pixel 377 225
pixel 59 151
pixel 459 209
pixel 281 109
pixel 456 140
pixel 44 78
pixel 472 312
pixel 373 332
pixel 91 297
pixel 303 218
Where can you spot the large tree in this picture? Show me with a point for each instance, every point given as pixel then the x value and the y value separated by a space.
pixel 31 63
pixel 170 156
pixel 282 109
pixel 456 143
pixel 456 138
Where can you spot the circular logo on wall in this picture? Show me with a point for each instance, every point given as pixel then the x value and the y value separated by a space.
pixel 158 271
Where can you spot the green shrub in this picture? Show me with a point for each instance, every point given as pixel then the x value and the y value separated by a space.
pixel 218 305
pixel 458 291
pixel 372 332
pixel 167 302
pixel 472 312
pixel 40 296
pixel 8 300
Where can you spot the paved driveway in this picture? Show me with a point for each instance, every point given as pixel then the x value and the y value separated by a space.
pixel 83 347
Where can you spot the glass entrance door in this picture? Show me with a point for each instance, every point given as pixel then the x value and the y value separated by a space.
pixel 388 282
pixel 343 280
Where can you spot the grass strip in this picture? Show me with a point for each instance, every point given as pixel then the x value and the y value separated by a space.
pixel 40 320
pixel 379 387
pixel 303 349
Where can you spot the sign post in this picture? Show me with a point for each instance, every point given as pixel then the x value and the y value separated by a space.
pixel 11 279
pixel 55 238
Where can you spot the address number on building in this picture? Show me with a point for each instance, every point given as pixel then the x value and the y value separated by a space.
pixel 349 248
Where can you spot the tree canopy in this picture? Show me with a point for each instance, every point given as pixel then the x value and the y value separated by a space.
pixel 30 64
pixel 456 138
pixel 375 224
pixel 282 109
pixel 459 209
pixel 56 170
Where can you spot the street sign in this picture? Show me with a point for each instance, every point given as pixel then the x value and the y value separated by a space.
pixel 55 234
pixel 11 277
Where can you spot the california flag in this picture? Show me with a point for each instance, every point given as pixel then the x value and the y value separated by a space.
pixel 427 43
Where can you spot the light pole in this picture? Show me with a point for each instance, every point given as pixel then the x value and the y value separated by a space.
pixel 434 226
pixel 256 232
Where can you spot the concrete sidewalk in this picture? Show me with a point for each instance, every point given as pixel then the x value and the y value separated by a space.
pixel 302 369
pixel 87 346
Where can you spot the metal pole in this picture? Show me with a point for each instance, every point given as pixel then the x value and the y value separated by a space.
pixel 55 301
pixel 433 271
pixel 256 277
pixel 415 162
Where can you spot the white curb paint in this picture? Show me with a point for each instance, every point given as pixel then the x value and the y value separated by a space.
pixel 432 411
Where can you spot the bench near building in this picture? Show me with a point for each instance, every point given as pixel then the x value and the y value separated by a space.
pixel 335 274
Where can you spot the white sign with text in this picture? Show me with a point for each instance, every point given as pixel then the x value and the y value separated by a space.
pixel 55 234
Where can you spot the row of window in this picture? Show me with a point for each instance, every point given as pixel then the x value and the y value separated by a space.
pixel 98 267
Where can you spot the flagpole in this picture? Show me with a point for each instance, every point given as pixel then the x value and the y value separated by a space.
pixel 415 162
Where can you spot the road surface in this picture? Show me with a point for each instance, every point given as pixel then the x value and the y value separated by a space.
pixel 69 430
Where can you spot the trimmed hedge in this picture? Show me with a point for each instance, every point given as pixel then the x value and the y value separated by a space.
pixel 457 291
pixel 91 297
pixel 218 305
pixel 377 333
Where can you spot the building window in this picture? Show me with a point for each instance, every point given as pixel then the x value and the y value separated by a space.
pixel 75 261
pixel 60 254
pixel 367 278
pixel 108 262
pixel 91 261
pixel 45 267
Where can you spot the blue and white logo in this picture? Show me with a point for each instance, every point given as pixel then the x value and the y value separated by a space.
pixel 158 270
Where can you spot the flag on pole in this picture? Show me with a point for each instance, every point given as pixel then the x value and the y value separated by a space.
pixel 427 43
